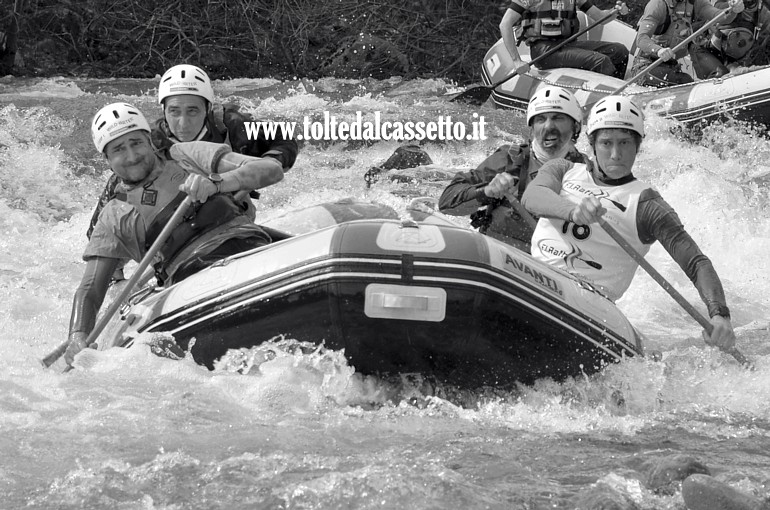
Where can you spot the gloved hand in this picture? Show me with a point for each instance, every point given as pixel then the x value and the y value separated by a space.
pixel 77 342
pixel 665 54
pixel 199 157
pixel 500 185
pixel 621 7
pixel 736 5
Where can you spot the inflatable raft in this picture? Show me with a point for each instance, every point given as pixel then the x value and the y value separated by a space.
pixel 744 97
pixel 415 295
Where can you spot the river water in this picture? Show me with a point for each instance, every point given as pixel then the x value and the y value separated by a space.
pixel 134 431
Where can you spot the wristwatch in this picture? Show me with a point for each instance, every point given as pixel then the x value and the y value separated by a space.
pixel 217 180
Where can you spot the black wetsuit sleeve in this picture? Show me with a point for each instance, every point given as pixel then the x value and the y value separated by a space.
pixel 284 150
pixel 657 220
pixel 465 193
pixel 89 296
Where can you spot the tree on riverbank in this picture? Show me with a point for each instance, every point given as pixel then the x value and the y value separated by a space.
pixel 257 38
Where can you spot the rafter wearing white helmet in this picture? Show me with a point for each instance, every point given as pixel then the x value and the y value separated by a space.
pixel 185 79
pixel 114 121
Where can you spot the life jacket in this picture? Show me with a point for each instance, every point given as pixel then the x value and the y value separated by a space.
pixel 550 19
pixel 587 249
pixel 677 26
pixel 735 40
pixel 157 200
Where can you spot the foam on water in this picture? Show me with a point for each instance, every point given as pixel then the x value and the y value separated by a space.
pixel 128 429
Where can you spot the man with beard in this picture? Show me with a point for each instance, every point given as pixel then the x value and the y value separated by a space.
pixel 554 118
pixel 570 198
pixel 191 114
pixel 152 188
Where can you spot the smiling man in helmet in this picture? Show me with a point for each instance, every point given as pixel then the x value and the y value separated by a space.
pixel 554 118
pixel 190 114
pixel 570 197
pixel 151 189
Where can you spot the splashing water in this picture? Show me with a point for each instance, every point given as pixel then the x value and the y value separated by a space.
pixel 287 425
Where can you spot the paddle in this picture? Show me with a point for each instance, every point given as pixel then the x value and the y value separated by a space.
pixel 478 95
pixel 676 48
pixel 51 358
pixel 689 308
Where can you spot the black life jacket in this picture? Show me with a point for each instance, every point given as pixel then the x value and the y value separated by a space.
pixel 677 26
pixel 735 40
pixel 545 22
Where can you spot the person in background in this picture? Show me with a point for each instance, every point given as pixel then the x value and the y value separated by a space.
pixel 191 114
pixel 662 26
pixel 570 198
pixel 151 188
pixel 730 45
pixel 554 118
pixel 547 23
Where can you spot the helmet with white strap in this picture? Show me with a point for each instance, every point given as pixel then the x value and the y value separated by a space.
pixel 185 79
pixel 114 121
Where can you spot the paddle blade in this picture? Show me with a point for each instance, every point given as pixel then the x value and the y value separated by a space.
pixel 475 96
pixel 54 355
pixel 740 358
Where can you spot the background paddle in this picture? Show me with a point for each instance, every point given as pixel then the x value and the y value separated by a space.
pixel 695 314
pixel 676 48
pixel 479 95
pixel 57 353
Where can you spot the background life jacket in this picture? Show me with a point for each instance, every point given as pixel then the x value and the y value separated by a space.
pixel 735 40
pixel 551 19
pixel 677 26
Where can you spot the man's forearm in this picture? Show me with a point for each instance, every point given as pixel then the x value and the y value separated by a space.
pixel 90 294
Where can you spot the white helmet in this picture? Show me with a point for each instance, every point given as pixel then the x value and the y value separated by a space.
pixel 554 99
pixel 114 121
pixel 616 112
pixel 185 79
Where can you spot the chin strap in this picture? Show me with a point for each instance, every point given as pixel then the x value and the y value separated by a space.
pixel 606 179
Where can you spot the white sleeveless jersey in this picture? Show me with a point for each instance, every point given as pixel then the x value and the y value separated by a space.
pixel 587 249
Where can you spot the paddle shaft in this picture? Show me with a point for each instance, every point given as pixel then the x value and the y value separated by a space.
pixel 558 47
pixel 676 48
pixel 689 308
pixel 51 358
pixel 531 221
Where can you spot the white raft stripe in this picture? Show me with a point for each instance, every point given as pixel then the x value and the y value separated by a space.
pixel 713 109
pixel 527 286
pixel 523 282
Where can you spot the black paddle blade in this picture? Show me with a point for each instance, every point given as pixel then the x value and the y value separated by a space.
pixel 476 96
